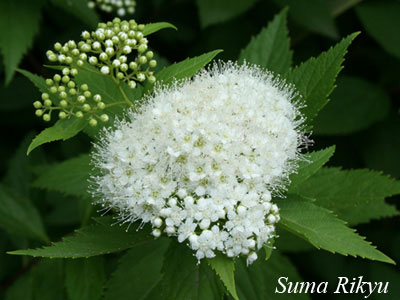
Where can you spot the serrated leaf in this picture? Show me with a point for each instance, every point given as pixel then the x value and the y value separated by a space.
pixel 270 49
pixel 356 196
pixel 38 81
pixel 61 130
pixel 259 280
pixel 18 216
pixel 186 68
pixel 79 9
pixel 217 11
pixel 93 240
pixel 225 269
pixel 84 278
pixel 365 104
pixel 313 15
pixel 43 281
pixel 310 165
pixel 18 26
pixel 183 278
pixel 315 79
pixel 378 18
pixel 322 229
pixel 69 177
pixel 154 27
pixel 110 92
pixel 143 264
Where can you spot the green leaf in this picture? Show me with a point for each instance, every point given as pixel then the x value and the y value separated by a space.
pixel 61 130
pixel 270 49
pixel 356 196
pixel 18 95
pixel 365 104
pixel 313 15
pixel 79 9
pixel 38 81
pixel 225 269
pixel 92 240
pixel 44 281
pixel 18 216
pixel 310 165
pixel 186 68
pixel 183 278
pixel 323 230
pixel 143 264
pixel 154 27
pixel 217 11
pixel 84 278
pixel 259 280
pixel 315 79
pixel 379 18
pixel 69 177
pixel 18 26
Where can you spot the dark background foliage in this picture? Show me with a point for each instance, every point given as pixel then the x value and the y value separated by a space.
pixel 362 120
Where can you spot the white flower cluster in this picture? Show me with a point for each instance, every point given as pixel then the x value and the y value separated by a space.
pixel 122 6
pixel 202 158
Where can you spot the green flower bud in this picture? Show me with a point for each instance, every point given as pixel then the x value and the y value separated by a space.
pixel 71 44
pixel 65 79
pixel 104 118
pixel 45 96
pixel 84 87
pixel 142 48
pixel 79 63
pixel 46 117
pixel 69 60
pixel 101 105
pixel 53 90
pixel 149 54
pixel 97 98
pixel 124 67
pixel 63 103
pixel 74 72
pixel 141 27
pixel 47 103
pixel 49 81
pixel 133 66
pixel 142 60
pixel 132 84
pixel 120 75
pixel 79 115
pixel 61 88
pixel 141 77
pixel 85 35
pixel 81 99
pixel 117 20
pixel 66 71
pixel 37 104
pixel 87 94
pixel 72 92
pixel 93 122
pixel 75 52
pixel 71 84
pixel 39 112
pixel 57 78
pixel 153 63
pixel 86 107
pixel 63 95
pixel 57 46
pixel 151 79
pixel 62 115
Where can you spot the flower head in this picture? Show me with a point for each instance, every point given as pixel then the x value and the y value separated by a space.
pixel 202 159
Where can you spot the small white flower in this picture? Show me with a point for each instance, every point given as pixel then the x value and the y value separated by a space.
pixel 105 70
pixel 203 159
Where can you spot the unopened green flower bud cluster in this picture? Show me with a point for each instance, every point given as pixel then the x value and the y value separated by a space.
pixel 66 99
pixel 121 6
pixel 116 48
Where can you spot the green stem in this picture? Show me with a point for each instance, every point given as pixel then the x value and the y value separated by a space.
pixel 121 90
